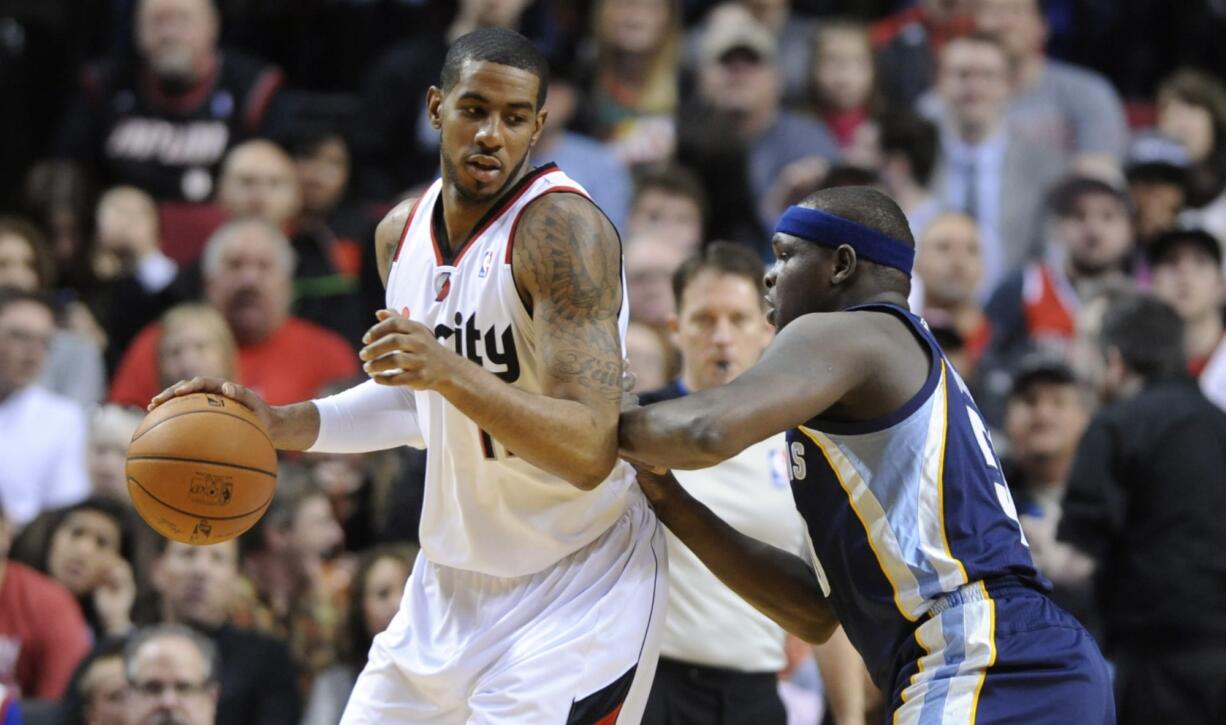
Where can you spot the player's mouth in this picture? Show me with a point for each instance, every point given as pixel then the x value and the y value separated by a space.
pixel 770 309
pixel 485 169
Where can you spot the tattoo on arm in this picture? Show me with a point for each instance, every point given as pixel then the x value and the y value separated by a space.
pixel 568 263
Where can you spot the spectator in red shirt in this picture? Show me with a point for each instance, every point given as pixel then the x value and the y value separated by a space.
pixel 42 632
pixel 248 266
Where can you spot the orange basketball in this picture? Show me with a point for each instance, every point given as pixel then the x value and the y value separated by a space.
pixel 201 469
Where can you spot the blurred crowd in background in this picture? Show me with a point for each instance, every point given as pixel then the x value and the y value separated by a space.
pixel 190 187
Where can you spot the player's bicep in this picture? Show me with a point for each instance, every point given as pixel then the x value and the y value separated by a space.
pixel 388 234
pixel 567 262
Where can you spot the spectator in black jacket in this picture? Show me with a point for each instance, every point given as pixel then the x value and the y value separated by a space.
pixel 164 120
pixel 1144 507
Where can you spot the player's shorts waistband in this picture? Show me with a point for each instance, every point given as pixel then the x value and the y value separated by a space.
pixel 979 591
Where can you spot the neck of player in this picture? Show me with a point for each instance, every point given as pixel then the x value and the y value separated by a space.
pixel 462 214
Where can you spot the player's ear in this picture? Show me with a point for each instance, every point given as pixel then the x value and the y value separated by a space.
pixel 845 264
pixel 539 122
pixel 434 101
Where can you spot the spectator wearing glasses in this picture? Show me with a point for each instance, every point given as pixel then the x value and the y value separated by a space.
pixel 172 673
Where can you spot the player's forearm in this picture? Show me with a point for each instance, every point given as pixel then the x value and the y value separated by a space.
pixel 563 437
pixel 776 583
pixel 679 434
pixel 294 427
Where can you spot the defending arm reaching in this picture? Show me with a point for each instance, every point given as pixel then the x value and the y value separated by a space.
pixel 778 584
pixel 567 266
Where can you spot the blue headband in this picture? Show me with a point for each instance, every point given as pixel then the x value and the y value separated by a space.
pixel 830 230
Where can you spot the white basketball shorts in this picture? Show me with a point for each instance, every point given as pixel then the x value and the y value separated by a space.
pixel 574 644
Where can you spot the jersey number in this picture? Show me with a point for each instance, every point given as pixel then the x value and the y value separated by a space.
pixel 989 457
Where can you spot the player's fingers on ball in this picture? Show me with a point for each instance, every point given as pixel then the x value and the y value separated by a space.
pixel 163 396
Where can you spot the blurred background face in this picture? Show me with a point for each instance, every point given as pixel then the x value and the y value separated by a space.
pixel 105 688
pixel 669 215
pixel 1188 124
pixel 948 261
pixel 974 81
pixel 1190 281
pixel 196 582
pixel 315 533
pixel 381 596
pixel 169 685
pixel 843 70
pixel 322 175
pixel 127 225
pixel 18 266
pixel 259 180
pixel 634 26
pixel 740 82
pixel 176 36
pixel 1157 204
pixel 650 263
pixel 1017 24
pixel 26 329
pixel 251 285
pixel 110 433
pixel 1097 234
pixel 648 354
pixel 192 348
pixel 1045 420
pixel 82 548
pixel 721 328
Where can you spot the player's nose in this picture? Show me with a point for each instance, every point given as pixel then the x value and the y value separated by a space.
pixel 489 134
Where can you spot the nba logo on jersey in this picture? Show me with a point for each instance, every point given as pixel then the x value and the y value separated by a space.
pixel 487 261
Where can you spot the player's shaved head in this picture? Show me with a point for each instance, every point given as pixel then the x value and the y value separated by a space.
pixel 864 205
pixel 496 45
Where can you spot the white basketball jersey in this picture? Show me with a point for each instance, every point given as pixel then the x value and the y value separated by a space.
pixel 485 509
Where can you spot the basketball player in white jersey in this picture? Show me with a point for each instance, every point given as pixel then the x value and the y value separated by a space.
pixel 543 573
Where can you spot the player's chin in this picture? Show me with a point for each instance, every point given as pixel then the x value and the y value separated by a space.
pixel 474 190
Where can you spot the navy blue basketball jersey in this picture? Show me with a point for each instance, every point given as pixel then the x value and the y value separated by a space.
pixel 904 509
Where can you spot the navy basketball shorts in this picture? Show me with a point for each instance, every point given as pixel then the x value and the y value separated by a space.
pixel 1000 655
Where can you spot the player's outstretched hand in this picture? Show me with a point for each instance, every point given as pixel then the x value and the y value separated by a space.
pixel 217 386
pixel 400 351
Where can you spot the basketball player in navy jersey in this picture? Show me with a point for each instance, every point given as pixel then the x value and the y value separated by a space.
pixel 916 548
pixel 539 591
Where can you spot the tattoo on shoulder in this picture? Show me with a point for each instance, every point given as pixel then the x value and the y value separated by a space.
pixel 568 258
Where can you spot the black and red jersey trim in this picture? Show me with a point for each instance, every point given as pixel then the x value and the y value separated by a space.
pixel 508 198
